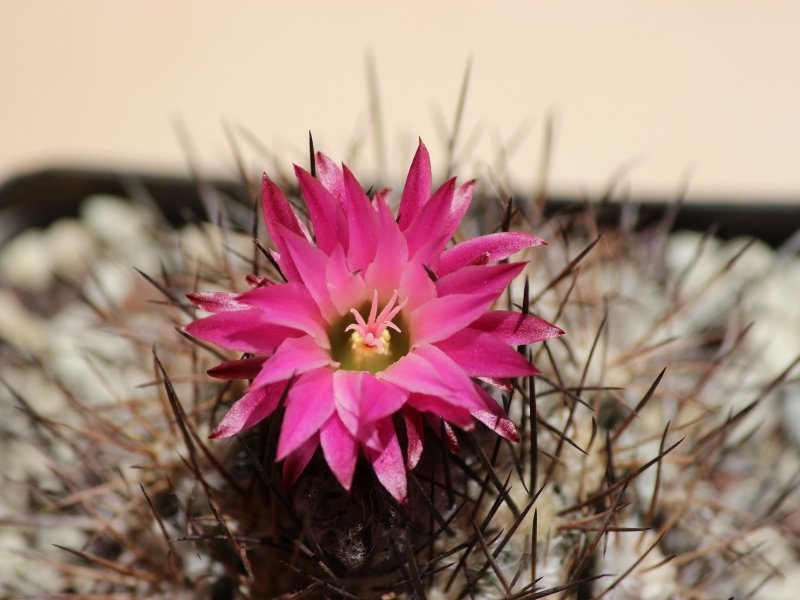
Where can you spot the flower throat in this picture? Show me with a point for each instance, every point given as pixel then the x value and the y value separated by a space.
pixel 372 344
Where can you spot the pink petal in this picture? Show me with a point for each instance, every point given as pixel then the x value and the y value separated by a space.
pixel 311 264
pixel 216 302
pixel 308 406
pixel 417 189
pixel 481 354
pixel 361 399
pixel 347 398
pixel 257 280
pixel 442 317
pixel 451 439
pixel 331 177
pixel 428 370
pixel 362 222
pixel 499 383
pixel 346 289
pixel 380 399
pixel 415 434
pixel 489 248
pixel 494 418
pixel 288 304
pixel 252 408
pixel 293 357
pixel 481 279
pixel 246 368
pixel 297 461
pixel 389 466
pixel 242 330
pixel 432 250
pixel 340 449
pixel 458 208
pixel 326 215
pixel 427 229
pixel 516 329
pixel 416 286
pixel 278 211
pixel 441 409
pixel 391 254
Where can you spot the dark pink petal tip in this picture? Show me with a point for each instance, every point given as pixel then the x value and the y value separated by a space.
pixel 516 329
pixel 246 368
pixel 296 462
pixel 388 463
pixel 487 248
pixel 215 302
pixel 417 189
pixel 252 408
pixel 258 280
pixel 451 438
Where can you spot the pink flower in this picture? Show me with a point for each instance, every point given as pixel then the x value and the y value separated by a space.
pixel 377 316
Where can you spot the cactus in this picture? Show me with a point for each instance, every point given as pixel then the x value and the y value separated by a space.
pixel 653 459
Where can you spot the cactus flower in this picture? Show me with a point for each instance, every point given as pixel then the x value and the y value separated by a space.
pixel 378 315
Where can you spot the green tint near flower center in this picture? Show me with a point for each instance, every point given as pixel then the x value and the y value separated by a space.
pixel 357 352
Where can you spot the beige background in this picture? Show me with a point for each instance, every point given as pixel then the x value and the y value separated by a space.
pixel 710 88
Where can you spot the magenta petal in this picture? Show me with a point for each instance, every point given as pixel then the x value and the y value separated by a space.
pixel 311 263
pixel 246 368
pixel 389 465
pixel 257 280
pixel 216 302
pixel 242 330
pixel 492 248
pixel 433 248
pixel 436 406
pixel 347 398
pixel 499 383
pixel 494 418
pixel 416 285
pixel 481 354
pixel 288 304
pixel 361 398
pixel 346 290
pixel 427 229
pixel 308 406
pixel 340 449
pixel 293 357
pixel 516 329
pixel 451 439
pixel 391 253
pixel 417 189
pixel 326 215
pixel 297 461
pixel 278 211
pixel 482 279
pixel 380 399
pixel 428 370
pixel 252 408
pixel 331 177
pixel 415 434
pixel 442 317
pixel 462 198
pixel 362 221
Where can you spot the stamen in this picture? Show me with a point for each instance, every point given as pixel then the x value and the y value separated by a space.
pixel 373 333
